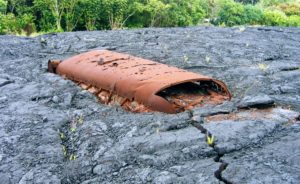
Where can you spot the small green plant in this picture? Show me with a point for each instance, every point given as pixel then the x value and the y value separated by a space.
pixel 262 67
pixel 77 120
pixel 72 157
pixel 73 129
pixel 157 130
pixel 62 135
pixel 207 59
pixel 64 150
pixel 210 139
pixel 185 59
pixel 80 119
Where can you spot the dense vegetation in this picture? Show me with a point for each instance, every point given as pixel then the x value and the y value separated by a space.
pixel 29 16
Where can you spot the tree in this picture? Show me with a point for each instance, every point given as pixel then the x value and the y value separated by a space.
pixel 231 13
pixel 56 7
pixel 184 13
pixel 247 1
pixel 90 11
pixel 156 9
pixel 71 14
pixel 11 5
pixel 162 13
pixel 148 13
pixel 253 15
pixel 3 6
pixel 114 11
pixel 19 7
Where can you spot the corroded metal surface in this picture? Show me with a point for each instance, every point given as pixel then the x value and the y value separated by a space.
pixel 140 85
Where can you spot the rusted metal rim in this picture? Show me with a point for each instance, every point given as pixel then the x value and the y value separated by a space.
pixel 133 80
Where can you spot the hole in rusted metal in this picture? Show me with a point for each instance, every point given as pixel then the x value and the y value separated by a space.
pixel 188 95
pixel 52 65
pixel 140 85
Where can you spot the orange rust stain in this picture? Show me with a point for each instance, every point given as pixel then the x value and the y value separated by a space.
pixel 242 115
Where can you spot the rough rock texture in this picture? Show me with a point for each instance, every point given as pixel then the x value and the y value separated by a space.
pixel 51 131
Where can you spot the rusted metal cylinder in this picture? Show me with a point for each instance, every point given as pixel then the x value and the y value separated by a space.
pixel 144 82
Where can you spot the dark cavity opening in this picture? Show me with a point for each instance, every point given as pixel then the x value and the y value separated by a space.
pixel 188 95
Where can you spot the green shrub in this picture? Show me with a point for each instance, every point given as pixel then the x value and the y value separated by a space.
pixel 183 13
pixel 10 24
pixel 247 1
pixel 294 20
pixel 2 25
pixel 231 14
pixel 290 8
pixel 150 13
pixel 267 3
pixel 166 13
pixel 275 18
pixel 46 21
pixel 24 20
pixel 253 15
pixel 26 24
pixel 18 16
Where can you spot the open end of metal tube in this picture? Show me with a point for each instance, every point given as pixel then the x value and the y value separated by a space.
pixel 189 95
pixel 52 65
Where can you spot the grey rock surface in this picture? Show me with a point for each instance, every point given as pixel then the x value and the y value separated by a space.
pixel 270 163
pixel 52 131
pixel 247 129
pixel 256 101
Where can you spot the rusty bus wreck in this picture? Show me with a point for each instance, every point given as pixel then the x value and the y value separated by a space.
pixel 140 85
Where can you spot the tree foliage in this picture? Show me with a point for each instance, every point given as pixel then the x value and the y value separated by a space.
pixel 89 13
pixel 3 6
pixel 18 16
pixel 231 14
pixel 184 13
